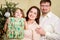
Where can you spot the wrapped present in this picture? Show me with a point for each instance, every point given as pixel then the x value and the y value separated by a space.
pixel 15 28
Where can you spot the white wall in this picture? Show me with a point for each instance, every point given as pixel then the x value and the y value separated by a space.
pixel 25 4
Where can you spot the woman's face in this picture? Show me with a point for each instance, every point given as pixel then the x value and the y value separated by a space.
pixel 32 14
pixel 18 13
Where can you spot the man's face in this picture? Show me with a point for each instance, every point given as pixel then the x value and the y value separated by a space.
pixel 45 7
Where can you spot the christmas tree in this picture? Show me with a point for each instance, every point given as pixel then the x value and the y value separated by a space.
pixel 4 12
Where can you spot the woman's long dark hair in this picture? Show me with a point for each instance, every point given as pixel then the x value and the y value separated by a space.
pixel 38 14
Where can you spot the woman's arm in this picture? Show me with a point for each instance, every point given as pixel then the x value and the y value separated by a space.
pixel 25 25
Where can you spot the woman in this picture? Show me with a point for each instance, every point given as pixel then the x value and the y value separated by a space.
pixel 32 20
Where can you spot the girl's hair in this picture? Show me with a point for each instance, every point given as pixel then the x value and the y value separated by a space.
pixel 38 14
pixel 20 10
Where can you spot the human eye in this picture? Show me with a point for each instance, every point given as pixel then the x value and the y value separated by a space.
pixel 35 13
pixel 30 11
pixel 46 5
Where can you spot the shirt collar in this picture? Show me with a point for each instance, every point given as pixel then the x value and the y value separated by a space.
pixel 48 14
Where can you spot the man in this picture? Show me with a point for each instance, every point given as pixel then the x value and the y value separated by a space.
pixel 49 23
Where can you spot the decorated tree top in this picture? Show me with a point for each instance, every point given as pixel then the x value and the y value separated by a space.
pixel 10 6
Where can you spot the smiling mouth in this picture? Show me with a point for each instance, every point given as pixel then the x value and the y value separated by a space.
pixel 31 16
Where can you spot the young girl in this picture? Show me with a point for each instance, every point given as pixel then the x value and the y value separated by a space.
pixel 32 19
pixel 14 26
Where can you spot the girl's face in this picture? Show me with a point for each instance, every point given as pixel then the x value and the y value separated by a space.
pixel 32 14
pixel 18 13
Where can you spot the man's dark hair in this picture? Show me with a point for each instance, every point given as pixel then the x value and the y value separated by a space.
pixel 44 1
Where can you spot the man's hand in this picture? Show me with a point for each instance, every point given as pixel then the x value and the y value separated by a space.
pixel 40 31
